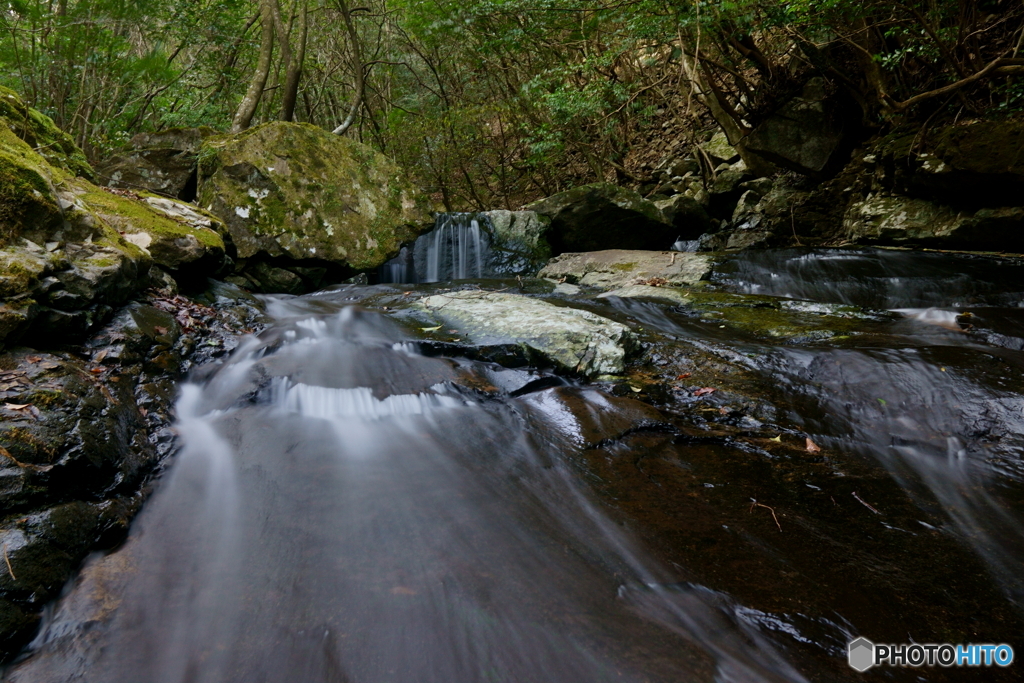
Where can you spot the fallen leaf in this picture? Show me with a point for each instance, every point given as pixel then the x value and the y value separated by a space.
pixel 723 411
pixel 33 359
pixel 431 329
pixel 635 390
pixel 685 375
pixel 704 391
pixel 777 439
pixel 96 371
pixel 812 447
pixel 882 401
pixel 16 406
pixel 100 356
pixel 159 330
pixel 453 331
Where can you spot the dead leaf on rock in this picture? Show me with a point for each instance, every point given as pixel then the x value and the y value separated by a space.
pixel 685 375
pixel 17 406
pixel 812 447
pixel 33 359
pixel 704 391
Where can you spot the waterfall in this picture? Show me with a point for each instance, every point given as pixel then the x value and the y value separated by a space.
pixel 459 247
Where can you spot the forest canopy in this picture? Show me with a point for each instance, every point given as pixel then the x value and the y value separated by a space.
pixel 492 102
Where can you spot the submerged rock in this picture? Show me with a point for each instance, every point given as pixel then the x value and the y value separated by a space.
pixel 618 267
pixel 603 216
pixel 296 191
pixel 573 340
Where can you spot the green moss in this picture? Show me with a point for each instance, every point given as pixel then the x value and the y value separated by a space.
pixel 26 199
pixel 326 197
pixel 40 133
pixel 45 398
pixel 131 215
pixel 624 266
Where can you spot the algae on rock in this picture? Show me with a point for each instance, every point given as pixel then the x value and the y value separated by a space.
pixel 294 190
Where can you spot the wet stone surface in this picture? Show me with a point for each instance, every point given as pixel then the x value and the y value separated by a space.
pixel 83 428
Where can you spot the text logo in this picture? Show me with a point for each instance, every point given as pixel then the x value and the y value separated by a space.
pixel 862 654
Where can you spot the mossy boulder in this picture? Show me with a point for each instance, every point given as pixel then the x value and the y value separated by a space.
pixel 178 236
pixel 969 165
pixel 27 200
pixel 42 135
pixel 603 216
pixel 296 191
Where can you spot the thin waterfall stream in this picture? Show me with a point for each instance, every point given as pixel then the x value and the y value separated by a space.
pixel 356 500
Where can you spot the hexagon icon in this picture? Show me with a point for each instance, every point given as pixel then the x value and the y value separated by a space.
pixel 861 654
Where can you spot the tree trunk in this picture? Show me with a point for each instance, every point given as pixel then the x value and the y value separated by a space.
pixel 293 68
pixel 357 69
pixel 247 107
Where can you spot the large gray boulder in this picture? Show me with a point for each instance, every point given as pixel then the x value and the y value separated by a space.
pixel 296 192
pixel 575 341
pixel 907 221
pixel 805 134
pixel 967 165
pixel 686 215
pixel 614 268
pixel 519 241
pixel 603 216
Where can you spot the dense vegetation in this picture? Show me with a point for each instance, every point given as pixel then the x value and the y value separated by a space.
pixel 495 101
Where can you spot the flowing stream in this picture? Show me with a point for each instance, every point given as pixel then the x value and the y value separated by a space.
pixel 353 504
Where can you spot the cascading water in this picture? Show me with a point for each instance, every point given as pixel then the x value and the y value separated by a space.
pixel 353 505
pixel 353 510
pixel 456 249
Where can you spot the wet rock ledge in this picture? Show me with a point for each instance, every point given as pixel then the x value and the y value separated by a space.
pixel 83 428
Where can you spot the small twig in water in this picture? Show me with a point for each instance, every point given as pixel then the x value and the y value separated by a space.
pixel 755 504
pixel 8 561
pixel 865 504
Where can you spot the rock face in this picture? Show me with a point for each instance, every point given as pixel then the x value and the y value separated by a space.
pixel 805 134
pixel 916 222
pixel 603 216
pixel 520 244
pixel 78 437
pixel 575 341
pixel 163 163
pixel 296 191
pixel 70 251
pixel 618 268
pixel 972 165
pixel 686 215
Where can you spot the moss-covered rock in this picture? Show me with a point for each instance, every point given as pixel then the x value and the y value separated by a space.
pixel 42 135
pixel 294 190
pixel 176 235
pixel 970 165
pixel 603 216
pixel 27 200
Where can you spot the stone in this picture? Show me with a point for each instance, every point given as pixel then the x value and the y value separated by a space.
pixel 273 279
pixel 719 149
pixel 968 165
pixel 163 162
pixel 295 191
pixel 615 268
pixel 176 235
pixel 603 216
pixel 686 215
pixel 519 243
pixel 805 135
pixel 574 341
pixel 669 295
